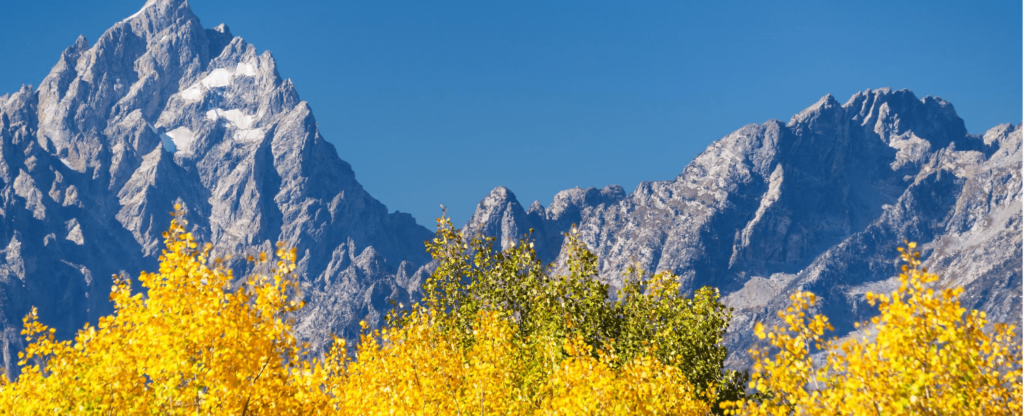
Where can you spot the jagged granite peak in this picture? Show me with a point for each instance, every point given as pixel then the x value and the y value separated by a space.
pixel 500 215
pixel 819 203
pixel 161 111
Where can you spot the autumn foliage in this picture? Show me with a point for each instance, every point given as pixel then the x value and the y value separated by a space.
pixel 189 345
pixel 497 332
pixel 924 354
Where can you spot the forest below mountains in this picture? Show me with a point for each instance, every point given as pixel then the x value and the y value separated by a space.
pixel 498 332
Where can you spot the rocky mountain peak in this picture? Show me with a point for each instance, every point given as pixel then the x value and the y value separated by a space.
pixel 823 105
pixel 536 209
pixel 158 15
pixel 72 52
pixel 499 215
pixel 222 29
pixel 162 111
pixel 891 114
pixel 567 205
pixel 998 134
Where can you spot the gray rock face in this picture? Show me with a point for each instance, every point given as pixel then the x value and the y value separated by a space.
pixel 161 110
pixel 819 203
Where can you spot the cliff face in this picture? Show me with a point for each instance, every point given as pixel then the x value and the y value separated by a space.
pixel 161 110
pixel 819 203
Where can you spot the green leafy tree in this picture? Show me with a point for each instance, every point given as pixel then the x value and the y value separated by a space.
pixel 648 316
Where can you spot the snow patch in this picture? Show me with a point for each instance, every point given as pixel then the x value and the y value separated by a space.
pixel 180 140
pixel 241 121
pixel 74 232
pixel 193 93
pixel 168 143
pixel 222 77
pixel 245 69
pixel 236 117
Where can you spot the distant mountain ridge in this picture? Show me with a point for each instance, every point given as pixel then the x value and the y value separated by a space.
pixel 161 110
pixel 819 203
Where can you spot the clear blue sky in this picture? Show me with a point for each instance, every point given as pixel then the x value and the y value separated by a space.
pixel 439 101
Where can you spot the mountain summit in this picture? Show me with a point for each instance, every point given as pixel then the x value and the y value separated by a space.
pixel 160 111
pixel 819 203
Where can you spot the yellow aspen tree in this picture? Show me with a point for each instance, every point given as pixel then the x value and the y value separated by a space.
pixel 924 354
pixel 191 344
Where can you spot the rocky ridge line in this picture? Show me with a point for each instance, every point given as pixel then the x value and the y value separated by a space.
pixel 819 203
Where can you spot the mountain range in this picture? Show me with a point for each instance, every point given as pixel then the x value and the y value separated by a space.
pixel 818 203
pixel 160 110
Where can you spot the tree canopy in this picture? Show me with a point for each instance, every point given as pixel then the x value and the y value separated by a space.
pixel 924 354
pixel 497 332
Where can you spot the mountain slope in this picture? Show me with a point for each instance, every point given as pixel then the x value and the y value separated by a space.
pixel 161 110
pixel 819 203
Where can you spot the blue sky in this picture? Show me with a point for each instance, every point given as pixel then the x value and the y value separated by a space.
pixel 437 102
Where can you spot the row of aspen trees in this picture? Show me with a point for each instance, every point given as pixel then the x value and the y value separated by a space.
pixel 497 332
